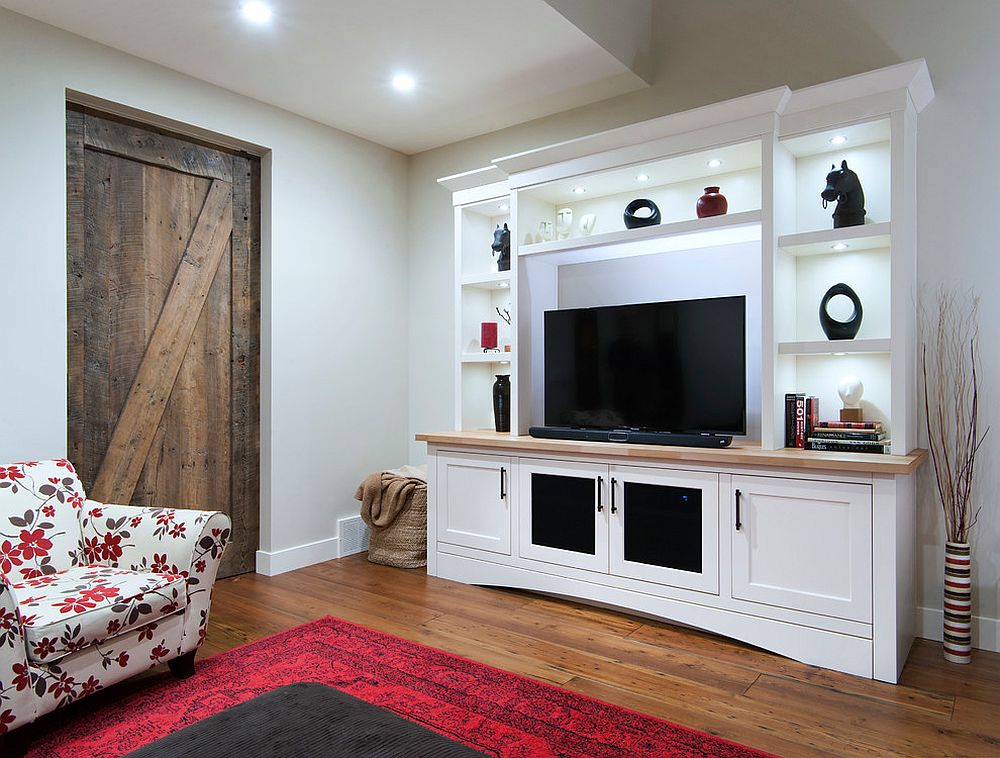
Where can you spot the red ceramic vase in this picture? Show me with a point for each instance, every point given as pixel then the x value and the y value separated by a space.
pixel 712 203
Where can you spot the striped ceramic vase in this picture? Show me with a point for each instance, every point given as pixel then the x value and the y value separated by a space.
pixel 957 602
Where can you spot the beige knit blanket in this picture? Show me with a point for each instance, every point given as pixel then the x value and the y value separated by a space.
pixel 386 494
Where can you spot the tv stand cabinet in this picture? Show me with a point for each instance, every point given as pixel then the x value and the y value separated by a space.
pixel 807 555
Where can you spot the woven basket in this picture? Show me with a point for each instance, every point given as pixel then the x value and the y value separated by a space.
pixel 403 543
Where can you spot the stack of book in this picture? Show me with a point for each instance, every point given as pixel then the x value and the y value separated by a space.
pixel 849 437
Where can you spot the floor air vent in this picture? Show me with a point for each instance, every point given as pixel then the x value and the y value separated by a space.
pixel 353 535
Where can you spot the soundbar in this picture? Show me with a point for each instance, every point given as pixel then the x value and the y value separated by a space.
pixel 631 436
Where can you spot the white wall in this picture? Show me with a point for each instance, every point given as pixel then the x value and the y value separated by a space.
pixel 333 398
pixel 707 52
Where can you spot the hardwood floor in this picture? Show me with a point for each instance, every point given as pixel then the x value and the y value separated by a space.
pixel 688 677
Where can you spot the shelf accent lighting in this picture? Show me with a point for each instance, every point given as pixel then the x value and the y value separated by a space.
pixel 403 82
pixel 714 163
pixel 839 139
pixel 840 246
pixel 579 190
pixel 256 12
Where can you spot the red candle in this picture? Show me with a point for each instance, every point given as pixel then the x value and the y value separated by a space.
pixel 489 335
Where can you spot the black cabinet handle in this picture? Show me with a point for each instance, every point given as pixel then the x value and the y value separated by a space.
pixel 503 483
pixel 614 508
pixel 739 523
pixel 600 488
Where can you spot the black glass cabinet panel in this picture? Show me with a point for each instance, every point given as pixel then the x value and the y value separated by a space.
pixel 662 526
pixel 562 512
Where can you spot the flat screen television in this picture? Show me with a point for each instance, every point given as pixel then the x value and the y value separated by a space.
pixel 677 367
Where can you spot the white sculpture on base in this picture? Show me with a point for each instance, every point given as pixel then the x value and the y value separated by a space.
pixel 850 390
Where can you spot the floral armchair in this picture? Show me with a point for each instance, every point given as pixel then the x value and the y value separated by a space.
pixel 91 594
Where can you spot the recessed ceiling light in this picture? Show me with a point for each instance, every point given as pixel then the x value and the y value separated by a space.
pixel 840 353
pixel 579 190
pixel 504 207
pixel 840 139
pixel 504 284
pixel 256 12
pixel 714 163
pixel 404 82
pixel 642 178
pixel 840 246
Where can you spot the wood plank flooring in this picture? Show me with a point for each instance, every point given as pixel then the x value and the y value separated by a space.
pixel 688 677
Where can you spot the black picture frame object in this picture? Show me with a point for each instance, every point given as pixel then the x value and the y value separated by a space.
pixel 634 222
pixel 840 330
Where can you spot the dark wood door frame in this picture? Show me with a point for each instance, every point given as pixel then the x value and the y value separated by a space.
pixel 231 218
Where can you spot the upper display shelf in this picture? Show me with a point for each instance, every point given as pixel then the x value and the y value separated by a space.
pixel 594 205
pixel 643 177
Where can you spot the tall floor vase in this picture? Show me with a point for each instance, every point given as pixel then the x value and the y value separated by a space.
pixel 957 602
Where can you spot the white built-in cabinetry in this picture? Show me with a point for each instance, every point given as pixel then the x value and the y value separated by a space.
pixel 803 552
pixel 809 557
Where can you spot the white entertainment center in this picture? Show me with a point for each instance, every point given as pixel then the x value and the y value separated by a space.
pixel 805 553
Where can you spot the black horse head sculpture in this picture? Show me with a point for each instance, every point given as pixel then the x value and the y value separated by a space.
pixel 501 244
pixel 844 186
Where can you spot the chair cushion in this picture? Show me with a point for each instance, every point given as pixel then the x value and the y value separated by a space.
pixel 64 612
pixel 40 530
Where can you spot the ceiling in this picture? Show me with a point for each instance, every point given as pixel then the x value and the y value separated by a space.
pixel 480 65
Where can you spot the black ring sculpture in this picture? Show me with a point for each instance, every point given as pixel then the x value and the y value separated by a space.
pixel 634 222
pixel 840 330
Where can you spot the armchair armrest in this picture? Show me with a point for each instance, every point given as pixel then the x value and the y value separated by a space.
pixel 17 685
pixel 168 540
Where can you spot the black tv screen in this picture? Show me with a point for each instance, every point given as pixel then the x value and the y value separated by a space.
pixel 676 366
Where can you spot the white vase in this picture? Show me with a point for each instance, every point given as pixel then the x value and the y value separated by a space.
pixel 957 602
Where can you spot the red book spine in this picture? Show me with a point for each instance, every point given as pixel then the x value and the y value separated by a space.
pixel 800 422
pixel 812 415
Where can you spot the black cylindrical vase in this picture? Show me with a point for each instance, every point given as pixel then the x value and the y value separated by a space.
pixel 501 403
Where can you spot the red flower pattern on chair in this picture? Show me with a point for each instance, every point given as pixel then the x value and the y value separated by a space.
pixel 92 593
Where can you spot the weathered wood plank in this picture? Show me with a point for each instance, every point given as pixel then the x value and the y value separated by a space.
pixel 147 146
pixel 137 424
pixel 76 240
pixel 245 369
pixel 111 241
pixel 173 204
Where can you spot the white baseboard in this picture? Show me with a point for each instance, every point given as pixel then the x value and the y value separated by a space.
pixel 985 631
pixel 300 556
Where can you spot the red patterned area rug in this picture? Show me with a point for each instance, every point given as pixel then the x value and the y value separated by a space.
pixel 493 711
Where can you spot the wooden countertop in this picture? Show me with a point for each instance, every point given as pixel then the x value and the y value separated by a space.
pixel 743 455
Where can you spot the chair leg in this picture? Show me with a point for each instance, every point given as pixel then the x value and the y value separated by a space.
pixel 15 744
pixel 183 666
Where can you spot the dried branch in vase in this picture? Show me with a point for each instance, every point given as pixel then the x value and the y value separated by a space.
pixel 950 366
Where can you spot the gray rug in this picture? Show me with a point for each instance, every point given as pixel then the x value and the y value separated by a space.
pixel 305 719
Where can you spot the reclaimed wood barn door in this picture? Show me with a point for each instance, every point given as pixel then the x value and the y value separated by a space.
pixel 163 309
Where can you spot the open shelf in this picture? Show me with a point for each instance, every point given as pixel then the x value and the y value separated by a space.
pixel 856 238
pixel 496 280
pixel 662 238
pixel 486 357
pixel 834 347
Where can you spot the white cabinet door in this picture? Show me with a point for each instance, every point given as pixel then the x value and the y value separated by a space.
pixel 563 513
pixel 474 501
pixel 665 526
pixel 805 545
